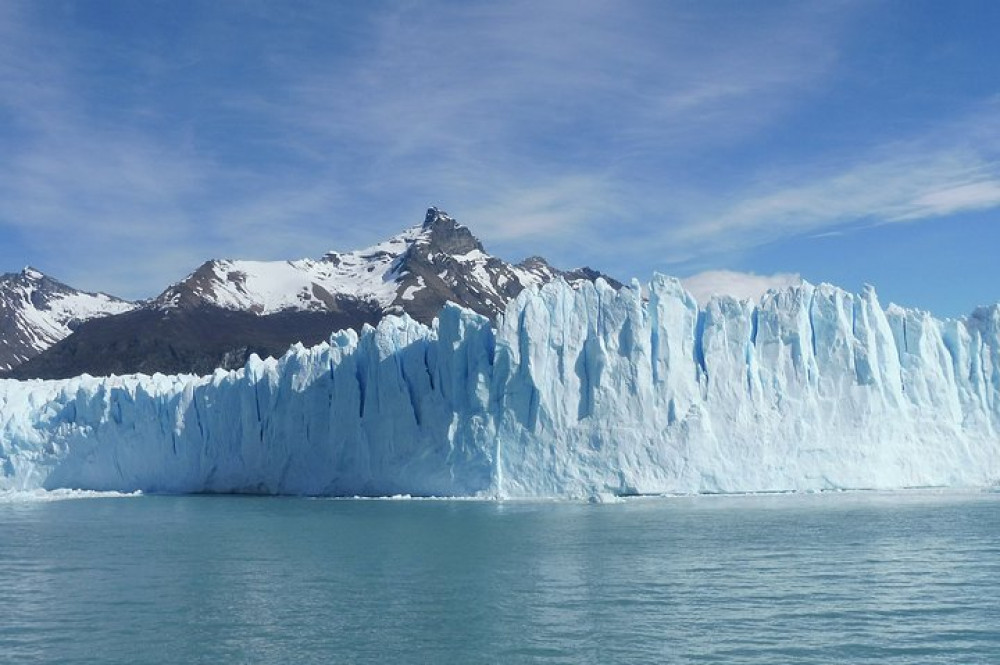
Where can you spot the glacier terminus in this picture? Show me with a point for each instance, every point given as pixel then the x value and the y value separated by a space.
pixel 576 392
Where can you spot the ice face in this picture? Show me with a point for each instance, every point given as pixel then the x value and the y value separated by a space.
pixel 577 392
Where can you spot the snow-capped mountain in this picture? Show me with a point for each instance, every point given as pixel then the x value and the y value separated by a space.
pixel 227 310
pixel 416 272
pixel 37 311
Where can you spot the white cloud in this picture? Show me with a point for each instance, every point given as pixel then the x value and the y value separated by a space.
pixel 953 199
pixel 741 285
pixel 949 170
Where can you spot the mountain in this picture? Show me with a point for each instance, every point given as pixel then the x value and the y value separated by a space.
pixel 583 392
pixel 37 311
pixel 416 272
pixel 225 311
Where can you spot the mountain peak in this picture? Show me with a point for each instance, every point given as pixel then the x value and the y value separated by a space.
pixel 441 233
pixel 32 274
pixel 436 216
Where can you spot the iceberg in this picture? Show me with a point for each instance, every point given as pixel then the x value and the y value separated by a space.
pixel 577 392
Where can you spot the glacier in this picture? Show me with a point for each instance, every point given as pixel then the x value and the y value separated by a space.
pixel 577 392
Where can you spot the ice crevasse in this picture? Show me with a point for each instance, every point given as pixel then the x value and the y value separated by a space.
pixel 575 392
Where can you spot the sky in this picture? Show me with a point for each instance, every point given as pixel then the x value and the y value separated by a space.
pixel 843 141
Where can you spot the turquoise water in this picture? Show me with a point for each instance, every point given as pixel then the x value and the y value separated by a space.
pixel 862 578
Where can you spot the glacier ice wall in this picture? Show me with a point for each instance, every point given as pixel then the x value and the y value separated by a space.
pixel 577 391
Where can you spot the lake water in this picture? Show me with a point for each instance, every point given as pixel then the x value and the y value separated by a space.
pixel 850 578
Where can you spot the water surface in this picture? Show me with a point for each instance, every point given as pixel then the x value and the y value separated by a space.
pixel 860 578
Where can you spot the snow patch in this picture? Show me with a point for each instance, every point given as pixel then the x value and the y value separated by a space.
pixel 410 292
pixel 267 287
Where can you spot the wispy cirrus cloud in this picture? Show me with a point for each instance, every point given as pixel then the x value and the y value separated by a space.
pixel 951 169
pixel 504 109
pixel 649 135
pixel 955 198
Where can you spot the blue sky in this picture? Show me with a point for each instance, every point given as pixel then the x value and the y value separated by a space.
pixel 847 141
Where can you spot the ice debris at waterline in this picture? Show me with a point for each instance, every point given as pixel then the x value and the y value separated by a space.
pixel 583 392
pixel 39 495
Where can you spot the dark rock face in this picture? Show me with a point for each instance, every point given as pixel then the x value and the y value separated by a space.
pixel 186 294
pixel 447 236
pixel 438 269
pixel 194 340
pixel 432 274
pixel 193 326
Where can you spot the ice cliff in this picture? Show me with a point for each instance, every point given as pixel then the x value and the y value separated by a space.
pixel 576 392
